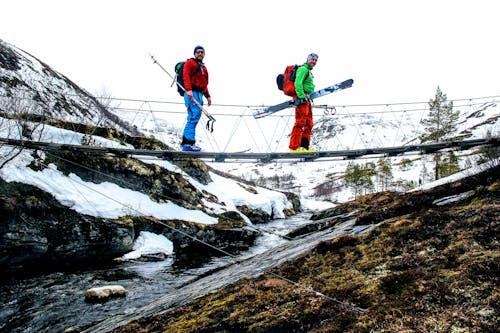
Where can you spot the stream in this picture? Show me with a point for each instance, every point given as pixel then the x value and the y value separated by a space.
pixel 56 301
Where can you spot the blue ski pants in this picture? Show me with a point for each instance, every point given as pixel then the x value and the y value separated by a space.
pixel 193 115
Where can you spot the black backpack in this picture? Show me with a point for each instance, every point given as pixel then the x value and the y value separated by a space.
pixel 179 74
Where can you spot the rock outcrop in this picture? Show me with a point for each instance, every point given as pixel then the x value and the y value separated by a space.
pixel 37 231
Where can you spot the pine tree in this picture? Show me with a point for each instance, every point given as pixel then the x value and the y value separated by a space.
pixel 441 121
pixel 360 177
pixel 369 171
pixel 353 177
pixel 449 165
pixel 384 173
pixel 440 124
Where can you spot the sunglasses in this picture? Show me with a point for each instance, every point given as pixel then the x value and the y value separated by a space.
pixel 200 51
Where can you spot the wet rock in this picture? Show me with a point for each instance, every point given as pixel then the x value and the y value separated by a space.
pixel 322 224
pixel 295 200
pixel 190 238
pixel 256 215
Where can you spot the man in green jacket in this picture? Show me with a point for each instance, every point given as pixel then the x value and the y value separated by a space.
pixel 301 133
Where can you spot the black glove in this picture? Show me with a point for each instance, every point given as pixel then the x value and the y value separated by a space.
pixel 299 101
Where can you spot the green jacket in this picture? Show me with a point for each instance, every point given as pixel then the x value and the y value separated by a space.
pixel 304 81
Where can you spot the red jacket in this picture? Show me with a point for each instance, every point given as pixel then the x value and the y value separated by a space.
pixel 196 76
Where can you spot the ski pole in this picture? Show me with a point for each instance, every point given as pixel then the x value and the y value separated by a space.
pixel 211 119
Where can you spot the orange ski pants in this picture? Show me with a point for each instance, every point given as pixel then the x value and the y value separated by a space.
pixel 303 126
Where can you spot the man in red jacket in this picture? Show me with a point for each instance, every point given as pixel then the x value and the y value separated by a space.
pixel 196 85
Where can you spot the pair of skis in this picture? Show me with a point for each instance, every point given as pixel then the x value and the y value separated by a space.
pixel 262 112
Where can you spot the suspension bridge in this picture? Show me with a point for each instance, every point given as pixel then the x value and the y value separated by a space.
pixel 261 157
pixel 366 124
pixel 340 131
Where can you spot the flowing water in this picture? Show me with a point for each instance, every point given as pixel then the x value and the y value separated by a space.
pixel 54 302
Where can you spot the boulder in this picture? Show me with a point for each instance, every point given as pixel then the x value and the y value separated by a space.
pixel 102 294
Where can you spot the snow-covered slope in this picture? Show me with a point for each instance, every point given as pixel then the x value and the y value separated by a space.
pixel 27 85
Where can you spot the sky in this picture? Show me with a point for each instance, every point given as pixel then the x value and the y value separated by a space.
pixel 396 51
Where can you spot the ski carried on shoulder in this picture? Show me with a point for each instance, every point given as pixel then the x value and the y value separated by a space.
pixel 259 113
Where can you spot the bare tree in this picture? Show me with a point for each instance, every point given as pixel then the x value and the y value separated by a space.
pixel 20 118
